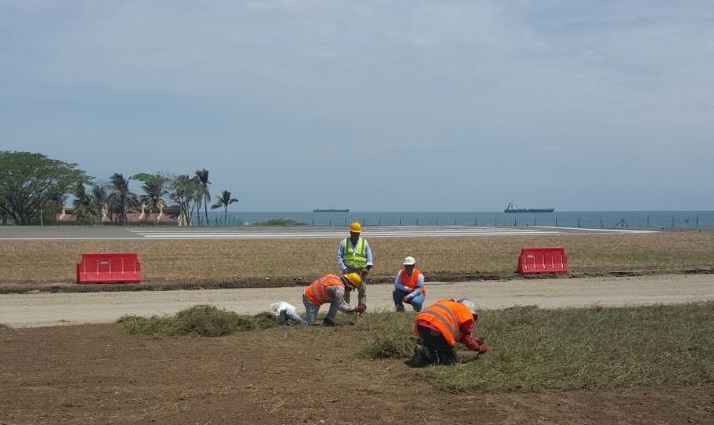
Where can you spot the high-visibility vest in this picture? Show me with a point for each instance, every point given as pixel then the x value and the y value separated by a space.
pixel 447 316
pixel 355 258
pixel 411 281
pixel 317 293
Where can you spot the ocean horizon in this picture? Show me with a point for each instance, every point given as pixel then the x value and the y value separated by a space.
pixel 583 219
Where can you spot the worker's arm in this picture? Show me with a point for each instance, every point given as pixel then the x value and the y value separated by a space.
pixel 466 329
pixel 368 250
pixel 340 253
pixel 338 294
pixel 398 283
pixel 417 290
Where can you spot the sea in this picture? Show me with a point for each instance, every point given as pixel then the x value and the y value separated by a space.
pixel 656 220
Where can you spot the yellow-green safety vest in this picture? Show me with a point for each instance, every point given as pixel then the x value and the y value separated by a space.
pixel 356 258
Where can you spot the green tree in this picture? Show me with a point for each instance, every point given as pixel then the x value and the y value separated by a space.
pixel 33 185
pixel 204 195
pixel 154 188
pixel 182 189
pixel 224 201
pixel 82 199
pixel 121 199
pixel 90 207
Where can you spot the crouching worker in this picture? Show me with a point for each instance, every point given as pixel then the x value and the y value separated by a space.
pixel 409 286
pixel 440 327
pixel 330 289
pixel 286 313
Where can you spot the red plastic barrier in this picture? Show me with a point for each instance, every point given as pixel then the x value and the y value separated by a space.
pixel 542 260
pixel 109 268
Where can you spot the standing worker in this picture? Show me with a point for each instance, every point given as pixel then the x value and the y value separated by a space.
pixel 330 289
pixel 355 256
pixel 440 327
pixel 409 286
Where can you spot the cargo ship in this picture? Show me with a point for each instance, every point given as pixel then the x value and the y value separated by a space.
pixel 510 208
pixel 331 210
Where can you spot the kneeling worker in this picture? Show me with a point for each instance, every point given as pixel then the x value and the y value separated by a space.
pixel 440 327
pixel 330 289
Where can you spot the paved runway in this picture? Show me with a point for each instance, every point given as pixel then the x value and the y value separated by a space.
pixel 178 233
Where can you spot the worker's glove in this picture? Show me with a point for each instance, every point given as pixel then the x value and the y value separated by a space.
pixel 482 347
pixel 360 309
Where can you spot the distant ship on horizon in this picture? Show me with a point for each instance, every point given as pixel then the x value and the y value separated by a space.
pixel 331 210
pixel 510 208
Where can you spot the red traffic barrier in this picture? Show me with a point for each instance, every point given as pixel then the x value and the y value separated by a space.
pixel 542 260
pixel 109 268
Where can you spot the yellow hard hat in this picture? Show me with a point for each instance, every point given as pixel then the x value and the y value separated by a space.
pixel 356 227
pixel 353 278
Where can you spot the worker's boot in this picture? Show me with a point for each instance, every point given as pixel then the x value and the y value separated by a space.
pixel 328 322
pixel 421 358
pixel 283 319
pixel 400 308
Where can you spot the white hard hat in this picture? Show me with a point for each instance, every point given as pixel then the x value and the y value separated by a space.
pixel 468 304
pixel 409 261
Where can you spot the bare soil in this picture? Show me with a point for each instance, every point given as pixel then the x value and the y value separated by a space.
pixel 95 374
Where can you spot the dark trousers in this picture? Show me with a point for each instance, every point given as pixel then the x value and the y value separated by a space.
pixel 440 350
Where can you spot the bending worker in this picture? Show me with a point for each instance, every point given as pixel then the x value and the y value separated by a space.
pixel 330 289
pixel 354 255
pixel 440 327
pixel 409 286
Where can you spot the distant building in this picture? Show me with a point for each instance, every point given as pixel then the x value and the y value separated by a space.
pixel 168 215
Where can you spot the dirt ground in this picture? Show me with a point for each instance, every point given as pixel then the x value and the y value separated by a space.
pixel 94 374
pixel 37 309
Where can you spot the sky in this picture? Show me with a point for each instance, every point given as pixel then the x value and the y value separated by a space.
pixel 374 105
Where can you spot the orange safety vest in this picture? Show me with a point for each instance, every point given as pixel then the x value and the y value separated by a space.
pixel 317 293
pixel 411 282
pixel 447 316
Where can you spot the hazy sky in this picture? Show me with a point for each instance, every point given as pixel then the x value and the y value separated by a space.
pixel 374 105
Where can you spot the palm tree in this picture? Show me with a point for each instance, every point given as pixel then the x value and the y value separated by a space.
pixel 99 201
pixel 121 199
pixel 82 201
pixel 154 188
pixel 204 194
pixel 223 201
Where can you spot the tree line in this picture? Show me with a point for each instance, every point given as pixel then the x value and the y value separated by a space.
pixel 35 188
